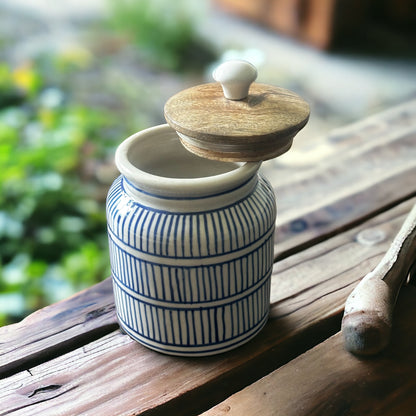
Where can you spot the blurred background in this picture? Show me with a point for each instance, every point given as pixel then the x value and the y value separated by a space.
pixel 77 77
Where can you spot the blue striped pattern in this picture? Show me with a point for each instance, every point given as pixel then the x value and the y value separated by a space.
pixel 192 283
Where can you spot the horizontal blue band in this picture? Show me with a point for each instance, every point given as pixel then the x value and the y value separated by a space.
pixel 187 198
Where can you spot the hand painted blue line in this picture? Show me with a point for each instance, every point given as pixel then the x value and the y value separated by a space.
pixel 114 194
pixel 248 216
pixel 161 233
pixel 156 232
pixel 139 214
pixel 198 234
pixel 207 237
pixel 179 286
pixel 169 236
pixel 183 235
pixel 141 231
pixel 241 227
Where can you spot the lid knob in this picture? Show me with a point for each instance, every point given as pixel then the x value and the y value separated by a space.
pixel 235 77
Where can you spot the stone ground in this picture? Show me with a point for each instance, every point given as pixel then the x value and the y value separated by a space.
pixel 340 88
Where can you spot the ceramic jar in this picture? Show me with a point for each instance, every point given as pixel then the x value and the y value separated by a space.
pixel 191 221
pixel 191 246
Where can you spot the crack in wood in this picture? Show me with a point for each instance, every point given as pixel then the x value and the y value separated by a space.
pixel 45 389
pixel 96 313
pixel 42 393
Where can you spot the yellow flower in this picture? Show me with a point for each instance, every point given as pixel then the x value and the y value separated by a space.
pixel 26 78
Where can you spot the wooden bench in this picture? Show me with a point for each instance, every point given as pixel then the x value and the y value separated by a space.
pixel 326 24
pixel 70 358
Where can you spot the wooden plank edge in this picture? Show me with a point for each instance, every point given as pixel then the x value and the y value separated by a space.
pixel 57 329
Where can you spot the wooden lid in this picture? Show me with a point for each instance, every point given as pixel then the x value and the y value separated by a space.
pixel 256 127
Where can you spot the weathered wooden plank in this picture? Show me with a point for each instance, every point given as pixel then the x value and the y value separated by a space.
pixel 327 380
pixel 114 375
pixel 57 328
pixel 371 166
pixel 297 233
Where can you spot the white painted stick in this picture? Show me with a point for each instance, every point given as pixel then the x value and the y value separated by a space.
pixel 368 314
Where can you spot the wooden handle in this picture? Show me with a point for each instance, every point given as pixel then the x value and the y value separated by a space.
pixel 368 314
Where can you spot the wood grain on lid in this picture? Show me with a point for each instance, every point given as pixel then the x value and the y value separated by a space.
pixel 256 128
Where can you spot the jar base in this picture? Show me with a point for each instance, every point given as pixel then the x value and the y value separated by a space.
pixel 194 351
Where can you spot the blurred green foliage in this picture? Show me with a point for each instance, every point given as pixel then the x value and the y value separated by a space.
pixel 52 225
pixel 53 239
pixel 164 31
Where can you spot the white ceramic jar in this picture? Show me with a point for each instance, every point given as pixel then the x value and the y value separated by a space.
pixel 191 246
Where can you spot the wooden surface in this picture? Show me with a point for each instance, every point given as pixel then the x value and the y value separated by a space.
pixel 259 127
pixel 327 380
pixel 357 180
pixel 70 358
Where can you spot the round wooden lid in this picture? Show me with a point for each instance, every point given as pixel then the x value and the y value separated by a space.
pixel 253 127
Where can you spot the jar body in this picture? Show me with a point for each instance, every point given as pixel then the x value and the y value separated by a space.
pixel 191 268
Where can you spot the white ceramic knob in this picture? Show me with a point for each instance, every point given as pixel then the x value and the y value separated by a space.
pixel 235 77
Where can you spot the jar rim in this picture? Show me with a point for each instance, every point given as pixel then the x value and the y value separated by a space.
pixel 171 186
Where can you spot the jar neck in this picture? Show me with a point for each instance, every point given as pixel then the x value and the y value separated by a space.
pixel 189 203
